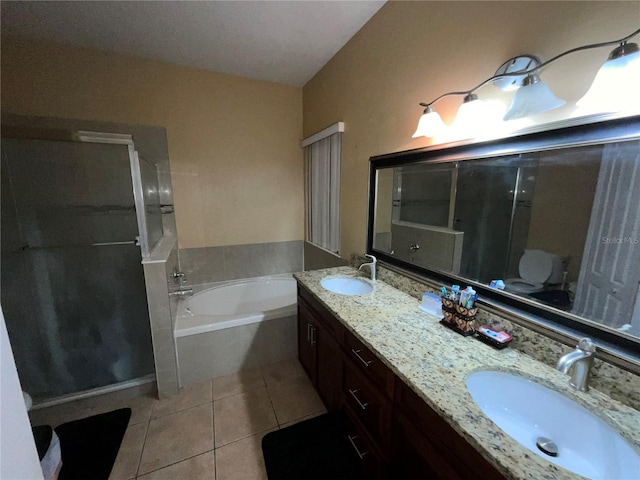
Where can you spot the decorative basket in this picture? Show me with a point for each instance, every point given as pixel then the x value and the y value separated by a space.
pixel 458 318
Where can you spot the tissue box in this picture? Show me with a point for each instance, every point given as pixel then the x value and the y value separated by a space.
pixel 432 304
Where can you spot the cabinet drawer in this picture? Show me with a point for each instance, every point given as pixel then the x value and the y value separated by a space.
pixel 367 363
pixel 328 321
pixel 368 404
pixel 364 450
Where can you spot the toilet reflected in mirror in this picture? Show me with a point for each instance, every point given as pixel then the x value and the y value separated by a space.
pixel 537 269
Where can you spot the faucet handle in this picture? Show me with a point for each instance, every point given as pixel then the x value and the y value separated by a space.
pixel 374 259
pixel 586 345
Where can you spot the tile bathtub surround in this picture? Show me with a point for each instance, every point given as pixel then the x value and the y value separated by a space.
pixel 162 310
pixel 435 362
pixel 230 262
pixel 609 379
pixel 211 430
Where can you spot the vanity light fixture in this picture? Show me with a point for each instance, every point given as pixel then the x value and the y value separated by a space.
pixel 475 116
pixel 430 123
pixel 615 88
pixel 533 96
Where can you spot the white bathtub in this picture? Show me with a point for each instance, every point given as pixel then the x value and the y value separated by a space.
pixel 234 326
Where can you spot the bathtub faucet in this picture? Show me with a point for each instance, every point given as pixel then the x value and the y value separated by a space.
pixel 181 292
pixel 178 277
pixel 371 265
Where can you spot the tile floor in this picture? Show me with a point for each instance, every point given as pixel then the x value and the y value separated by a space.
pixel 212 430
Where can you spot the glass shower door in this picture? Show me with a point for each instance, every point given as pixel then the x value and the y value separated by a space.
pixel 73 289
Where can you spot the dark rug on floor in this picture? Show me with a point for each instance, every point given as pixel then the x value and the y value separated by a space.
pixel 89 446
pixel 315 449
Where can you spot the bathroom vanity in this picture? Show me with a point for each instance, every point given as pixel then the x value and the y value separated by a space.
pixel 398 379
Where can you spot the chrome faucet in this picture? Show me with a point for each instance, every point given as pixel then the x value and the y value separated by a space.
pixel 178 277
pixel 181 292
pixel 371 265
pixel 580 359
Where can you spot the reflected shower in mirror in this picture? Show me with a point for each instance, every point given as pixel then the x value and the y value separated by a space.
pixel 558 222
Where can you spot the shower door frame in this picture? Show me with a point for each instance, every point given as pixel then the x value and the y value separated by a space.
pixel 86 136
pixel 83 136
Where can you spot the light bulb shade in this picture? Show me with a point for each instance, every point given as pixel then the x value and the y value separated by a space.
pixel 616 87
pixel 429 125
pixel 531 99
pixel 476 117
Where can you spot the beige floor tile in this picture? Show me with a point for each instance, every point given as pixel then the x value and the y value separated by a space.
pixel 176 437
pixel 294 399
pixel 302 419
pixel 282 371
pixel 128 459
pixel 242 415
pixel 242 460
pixel 140 408
pixel 58 415
pixel 240 382
pixel 189 396
pixel 200 467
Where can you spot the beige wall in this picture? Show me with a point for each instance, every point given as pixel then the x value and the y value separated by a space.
pixel 562 203
pixel 234 143
pixel 414 51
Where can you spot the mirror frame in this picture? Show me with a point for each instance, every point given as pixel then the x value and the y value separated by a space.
pixel 601 129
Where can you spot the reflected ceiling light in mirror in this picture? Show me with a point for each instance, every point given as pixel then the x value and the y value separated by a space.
pixel 616 86
pixel 534 96
pixel 430 124
pixel 618 79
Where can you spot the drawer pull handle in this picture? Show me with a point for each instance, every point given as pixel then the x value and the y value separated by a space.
pixel 313 335
pixel 357 354
pixel 353 444
pixel 353 394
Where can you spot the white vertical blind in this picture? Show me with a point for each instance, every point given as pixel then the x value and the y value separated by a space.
pixel 323 192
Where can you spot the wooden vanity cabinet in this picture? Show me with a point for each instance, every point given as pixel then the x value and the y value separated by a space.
pixel 423 442
pixel 319 352
pixel 367 405
pixel 390 428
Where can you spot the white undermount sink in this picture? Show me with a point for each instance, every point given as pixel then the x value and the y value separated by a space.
pixel 346 285
pixel 528 411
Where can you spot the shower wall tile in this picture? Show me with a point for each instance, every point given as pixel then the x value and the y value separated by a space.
pixel 165 358
pixel 162 310
pixel 230 262
pixel 159 307
pixel 172 266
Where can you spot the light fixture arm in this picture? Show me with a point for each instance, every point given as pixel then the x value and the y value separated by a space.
pixel 538 65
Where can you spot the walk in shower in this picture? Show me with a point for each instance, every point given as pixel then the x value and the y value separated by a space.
pixel 79 211
pixel 437 209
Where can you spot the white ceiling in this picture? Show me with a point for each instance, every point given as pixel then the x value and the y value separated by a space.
pixel 279 41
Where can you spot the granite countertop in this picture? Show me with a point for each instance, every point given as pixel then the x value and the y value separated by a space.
pixel 435 362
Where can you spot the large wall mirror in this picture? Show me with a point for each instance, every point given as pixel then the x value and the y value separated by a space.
pixel 553 214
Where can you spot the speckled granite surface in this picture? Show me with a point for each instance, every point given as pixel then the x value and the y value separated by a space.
pixel 435 363
pixel 609 379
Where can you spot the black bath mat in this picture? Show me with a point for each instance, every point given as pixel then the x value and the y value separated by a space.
pixel 89 446
pixel 315 449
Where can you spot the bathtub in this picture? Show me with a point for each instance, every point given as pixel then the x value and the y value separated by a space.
pixel 234 326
